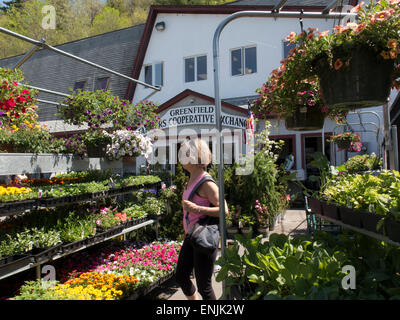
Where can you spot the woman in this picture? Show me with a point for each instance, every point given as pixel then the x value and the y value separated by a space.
pixel 195 156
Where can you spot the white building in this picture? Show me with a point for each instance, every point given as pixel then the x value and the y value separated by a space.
pixel 176 53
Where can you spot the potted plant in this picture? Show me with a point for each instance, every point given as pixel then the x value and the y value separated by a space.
pixel 96 143
pixel 355 64
pixel 246 222
pixel 232 220
pixel 127 143
pixel 262 218
pixel 347 141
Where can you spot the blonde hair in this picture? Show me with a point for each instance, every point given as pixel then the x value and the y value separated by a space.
pixel 195 151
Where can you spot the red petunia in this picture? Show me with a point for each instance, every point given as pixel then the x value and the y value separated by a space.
pixel 10 103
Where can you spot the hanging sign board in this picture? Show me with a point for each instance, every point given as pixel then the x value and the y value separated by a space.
pixel 198 115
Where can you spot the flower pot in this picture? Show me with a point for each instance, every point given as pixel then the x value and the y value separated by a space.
pixel 370 220
pixel 231 232
pixel 392 230
pixel 343 144
pixel 330 210
pixel 350 217
pixel 272 226
pixel 245 230
pixel 263 231
pixel 6 147
pixel 315 206
pixel 366 82
pixel 305 119
pixel 96 150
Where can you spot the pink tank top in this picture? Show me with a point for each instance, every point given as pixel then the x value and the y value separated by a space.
pixel 190 218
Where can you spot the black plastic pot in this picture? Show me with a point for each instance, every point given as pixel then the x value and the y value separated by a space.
pixel 17 206
pixel 305 119
pixel 370 220
pixel 330 210
pixel 231 232
pixel 44 254
pixel 96 151
pixel 72 246
pixel 343 144
pixel 392 229
pixel 366 82
pixel 14 262
pixel 53 202
pixel 315 206
pixel 350 217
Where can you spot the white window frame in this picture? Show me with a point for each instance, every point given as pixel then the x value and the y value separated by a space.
pixel 195 67
pixel 153 73
pixel 243 60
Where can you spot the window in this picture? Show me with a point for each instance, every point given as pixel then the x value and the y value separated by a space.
pixel 154 74
pixel 243 61
pixel 196 68
pixel 102 83
pixel 80 85
pixel 287 46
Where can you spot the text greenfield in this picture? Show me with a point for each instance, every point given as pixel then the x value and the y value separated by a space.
pixel 192 115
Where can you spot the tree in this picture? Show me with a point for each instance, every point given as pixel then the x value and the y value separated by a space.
pixel 8 4
pixel 109 19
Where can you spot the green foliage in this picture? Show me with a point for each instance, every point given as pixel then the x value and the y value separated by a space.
pixel 367 192
pixel 310 267
pixel 36 290
pixel 172 227
pixel 360 163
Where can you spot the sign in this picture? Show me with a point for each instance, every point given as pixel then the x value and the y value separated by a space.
pixel 197 115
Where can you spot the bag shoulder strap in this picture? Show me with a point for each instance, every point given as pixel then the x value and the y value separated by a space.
pixel 207 219
pixel 204 179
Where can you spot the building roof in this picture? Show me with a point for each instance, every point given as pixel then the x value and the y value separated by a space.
pixel 46 69
pixel 275 2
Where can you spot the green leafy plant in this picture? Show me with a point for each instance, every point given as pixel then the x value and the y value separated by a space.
pixel 361 163
pixel 310 267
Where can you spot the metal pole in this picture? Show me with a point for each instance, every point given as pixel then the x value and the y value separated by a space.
pixel 28 55
pixel 46 46
pixel 52 102
pixel 221 26
pixel 395 148
pixel 46 90
pixel 386 128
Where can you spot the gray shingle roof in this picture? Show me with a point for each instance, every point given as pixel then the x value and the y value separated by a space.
pixel 45 69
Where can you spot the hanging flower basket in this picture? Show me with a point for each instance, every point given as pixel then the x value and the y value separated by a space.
pixel 347 141
pixel 305 119
pixel 362 80
pixel 96 150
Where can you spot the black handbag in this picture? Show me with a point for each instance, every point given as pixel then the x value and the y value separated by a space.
pixel 204 234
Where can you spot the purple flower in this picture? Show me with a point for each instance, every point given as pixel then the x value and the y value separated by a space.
pixel 2 114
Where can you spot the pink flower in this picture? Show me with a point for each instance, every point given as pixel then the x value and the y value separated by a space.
pixel 311 102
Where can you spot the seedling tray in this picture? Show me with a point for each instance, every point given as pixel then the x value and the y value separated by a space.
pixel 14 262
pixel 72 246
pixel 17 206
pixel 40 255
